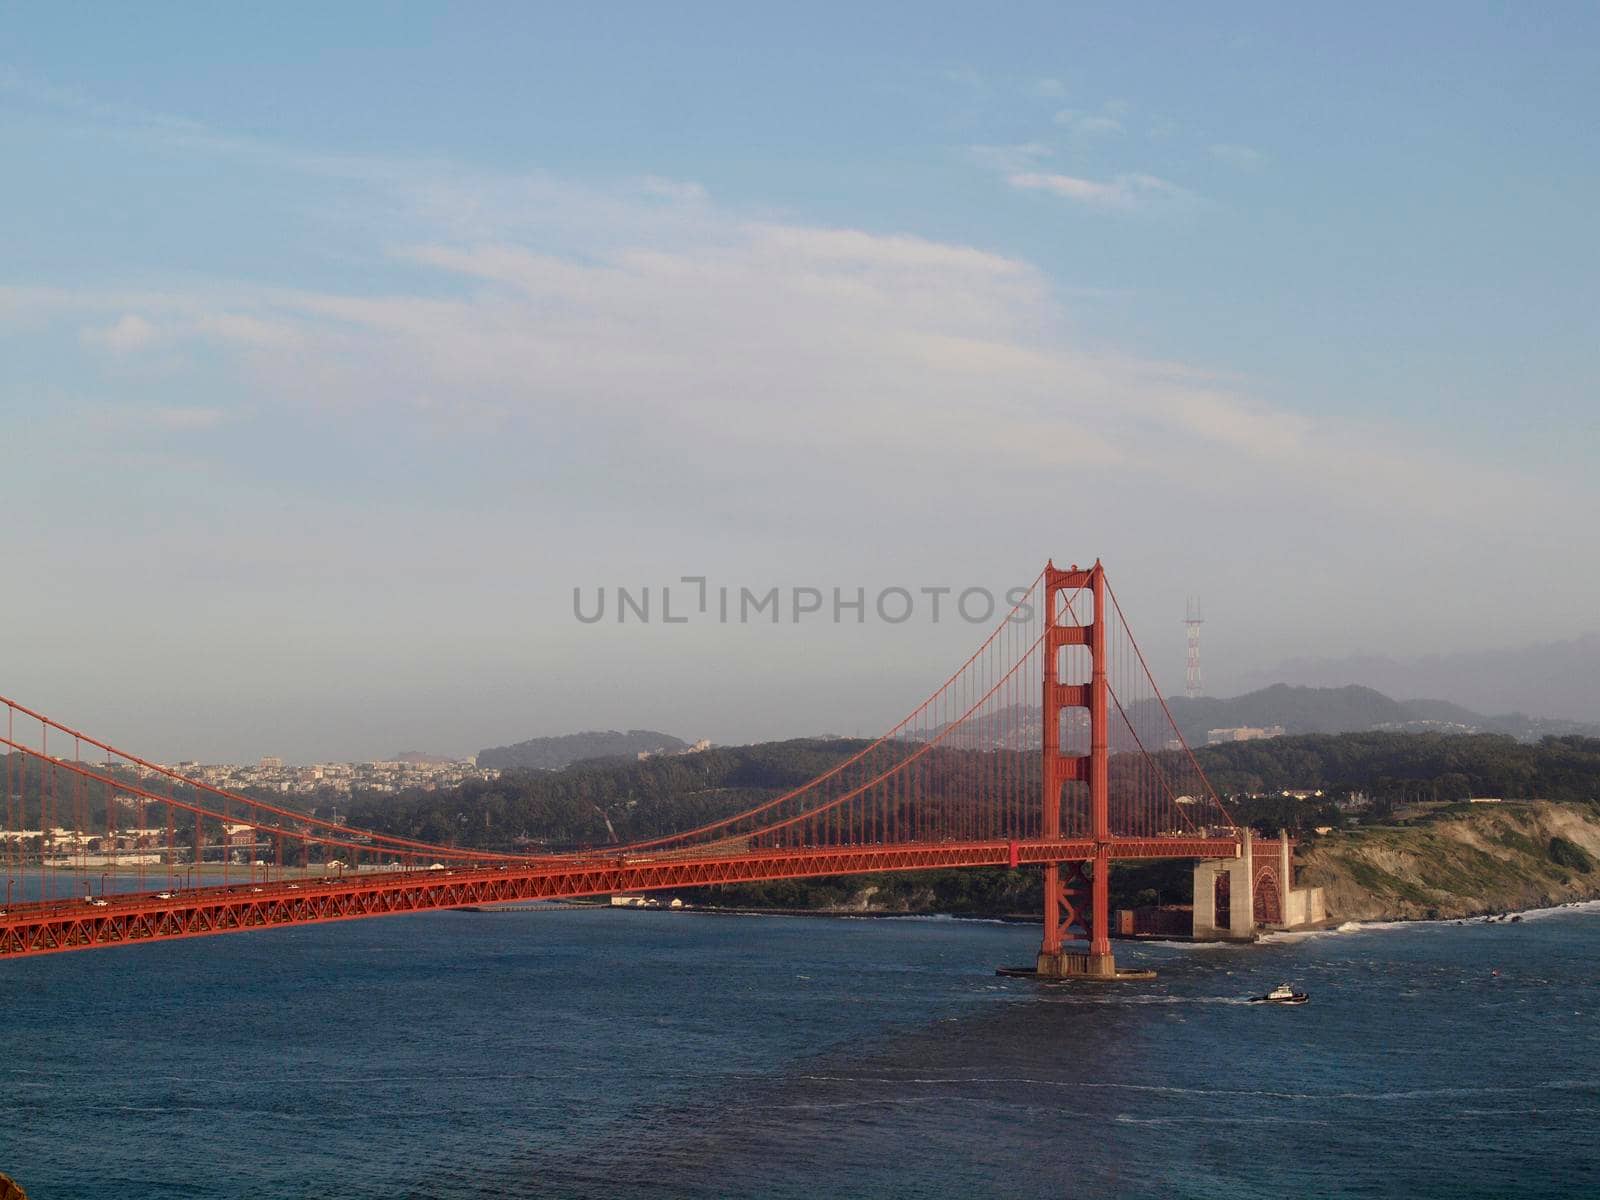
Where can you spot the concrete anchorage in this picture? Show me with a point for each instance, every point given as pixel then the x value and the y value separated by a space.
pixel 1297 907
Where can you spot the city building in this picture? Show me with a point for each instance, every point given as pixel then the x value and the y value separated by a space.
pixel 1242 733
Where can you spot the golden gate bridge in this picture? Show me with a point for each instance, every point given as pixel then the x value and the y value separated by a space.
pixel 1051 746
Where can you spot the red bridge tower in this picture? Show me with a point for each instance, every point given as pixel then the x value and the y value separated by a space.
pixel 1076 897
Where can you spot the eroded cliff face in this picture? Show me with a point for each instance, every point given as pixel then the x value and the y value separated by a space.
pixel 1491 858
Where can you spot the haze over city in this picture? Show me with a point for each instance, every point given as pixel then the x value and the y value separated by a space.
pixel 340 351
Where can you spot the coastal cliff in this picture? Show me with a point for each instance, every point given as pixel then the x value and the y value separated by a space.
pixel 1468 860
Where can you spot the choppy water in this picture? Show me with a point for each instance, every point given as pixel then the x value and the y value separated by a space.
pixel 601 1053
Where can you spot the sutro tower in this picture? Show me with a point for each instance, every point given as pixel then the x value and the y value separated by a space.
pixel 1193 620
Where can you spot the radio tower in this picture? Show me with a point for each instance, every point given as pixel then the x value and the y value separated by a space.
pixel 1193 620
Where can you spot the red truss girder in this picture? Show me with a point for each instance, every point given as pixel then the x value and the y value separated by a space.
pixel 55 926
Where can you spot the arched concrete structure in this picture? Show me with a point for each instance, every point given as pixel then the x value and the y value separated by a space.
pixel 1260 891
pixel 1267 899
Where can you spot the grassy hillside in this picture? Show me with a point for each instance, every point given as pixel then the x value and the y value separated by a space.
pixel 1463 860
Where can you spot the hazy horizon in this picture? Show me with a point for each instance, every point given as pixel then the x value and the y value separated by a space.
pixel 332 369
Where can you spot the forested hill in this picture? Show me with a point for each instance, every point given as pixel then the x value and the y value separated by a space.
pixel 1297 709
pixel 599 803
pixel 553 753
pixel 1410 766
pixel 594 803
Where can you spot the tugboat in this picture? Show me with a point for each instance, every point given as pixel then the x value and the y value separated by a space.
pixel 1282 994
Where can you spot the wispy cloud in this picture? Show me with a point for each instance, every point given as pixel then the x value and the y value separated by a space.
pixel 41 94
pixel 804 348
pixel 127 334
pixel 177 318
pixel 184 419
pixel 965 77
pixel 703 338
pixel 1236 155
pixel 1022 156
pixel 122 419
pixel 1088 124
pixel 1126 192
pixel 683 191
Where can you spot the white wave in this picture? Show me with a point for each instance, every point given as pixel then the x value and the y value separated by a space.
pixel 1560 910
pixel 1290 937
pixel 1408 1095
pixel 1102 1000
pixel 1530 914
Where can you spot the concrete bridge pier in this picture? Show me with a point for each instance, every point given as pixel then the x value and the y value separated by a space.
pixel 1241 916
pixel 1069 964
pixel 1066 964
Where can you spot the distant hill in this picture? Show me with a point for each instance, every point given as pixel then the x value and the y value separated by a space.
pixel 1298 709
pixel 1352 709
pixel 1442 711
pixel 1548 678
pixel 597 802
pixel 553 753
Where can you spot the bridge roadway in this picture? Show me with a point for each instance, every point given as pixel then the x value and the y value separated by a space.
pixel 54 926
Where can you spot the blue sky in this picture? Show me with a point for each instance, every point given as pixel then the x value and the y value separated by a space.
pixel 341 345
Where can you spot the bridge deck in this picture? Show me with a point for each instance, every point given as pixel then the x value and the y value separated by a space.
pixel 47 927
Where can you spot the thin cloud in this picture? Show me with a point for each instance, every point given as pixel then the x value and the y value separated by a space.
pixel 182 419
pixel 790 345
pixel 128 334
pixel 672 320
pixel 1022 156
pixel 159 418
pixel 133 333
pixel 50 97
pixel 1236 155
pixel 1121 192
pixel 1088 124
pixel 682 191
